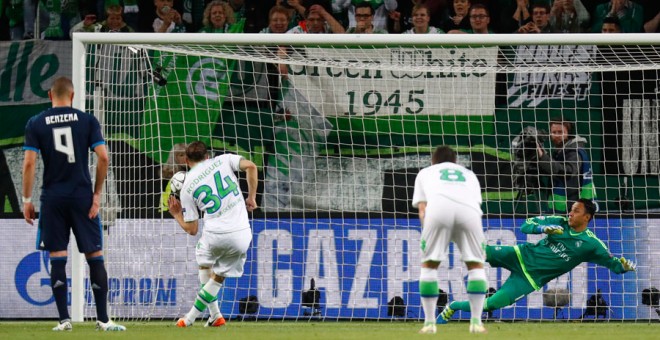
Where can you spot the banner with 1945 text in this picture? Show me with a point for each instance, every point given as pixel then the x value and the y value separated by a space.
pixel 437 85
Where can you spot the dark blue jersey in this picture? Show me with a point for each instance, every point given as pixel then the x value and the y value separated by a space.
pixel 64 136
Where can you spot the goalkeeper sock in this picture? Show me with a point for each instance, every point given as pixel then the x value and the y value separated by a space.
pixel 477 287
pixel 460 305
pixel 204 277
pixel 205 296
pixel 59 285
pixel 98 279
pixel 428 290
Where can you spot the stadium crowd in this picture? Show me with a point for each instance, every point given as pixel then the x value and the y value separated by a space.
pixel 57 19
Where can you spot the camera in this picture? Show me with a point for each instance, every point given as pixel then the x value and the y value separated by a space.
pixel 524 151
pixel 524 146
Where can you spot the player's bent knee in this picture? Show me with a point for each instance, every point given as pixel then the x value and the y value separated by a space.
pixel 431 264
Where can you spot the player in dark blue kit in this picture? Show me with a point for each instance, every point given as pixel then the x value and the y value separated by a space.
pixel 64 136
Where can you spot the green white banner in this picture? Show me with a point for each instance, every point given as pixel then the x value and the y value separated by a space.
pixel 27 69
pixel 424 91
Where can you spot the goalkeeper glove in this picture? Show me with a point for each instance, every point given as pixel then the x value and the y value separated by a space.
pixel 553 230
pixel 627 264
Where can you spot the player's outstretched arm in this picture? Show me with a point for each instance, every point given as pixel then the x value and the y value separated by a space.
pixel 602 256
pixel 617 265
pixel 551 225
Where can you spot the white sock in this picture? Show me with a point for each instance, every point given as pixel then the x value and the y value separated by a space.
pixel 477 279
pixel 429 304
pixel 204 297
pixel 204 277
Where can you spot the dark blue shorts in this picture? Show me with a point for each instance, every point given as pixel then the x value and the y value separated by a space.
pixel 58 216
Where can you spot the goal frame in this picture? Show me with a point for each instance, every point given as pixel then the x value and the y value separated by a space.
pixel 81 40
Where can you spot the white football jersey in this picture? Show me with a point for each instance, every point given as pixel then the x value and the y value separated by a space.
pixel 449 180
pixel 212 187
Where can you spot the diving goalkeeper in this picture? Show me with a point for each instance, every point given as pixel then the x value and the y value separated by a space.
pixel 568 244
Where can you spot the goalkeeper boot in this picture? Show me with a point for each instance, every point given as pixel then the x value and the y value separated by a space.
pixel 109 326
pixel 64 325
pixel 183 323
pixel 215 321
pixel 429 328
pixel 445 316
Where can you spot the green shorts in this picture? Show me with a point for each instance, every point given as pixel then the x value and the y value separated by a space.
pixel 516 286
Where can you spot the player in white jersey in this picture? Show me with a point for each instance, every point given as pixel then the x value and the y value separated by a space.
pixel 448 197
pixel 211 187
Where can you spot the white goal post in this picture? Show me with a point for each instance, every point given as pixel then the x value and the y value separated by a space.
pixel 339 125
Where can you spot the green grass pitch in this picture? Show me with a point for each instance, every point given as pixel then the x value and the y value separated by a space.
pixel 336 330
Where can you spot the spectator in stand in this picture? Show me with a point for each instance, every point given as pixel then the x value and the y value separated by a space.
pixel 457 18
pixel 569 16
pixel 239 9
pixel 114 22
pixel 364 15
pixel 29 15
pixel 88 24
pixel 318 20
pixel 131 14
pixel 296 11
pixel 479 21
pixel 14 13
pixel 218 18
pixel 379 12
pixel 651 15
pixel 60 17
pixel 515 14
pixel 630 14
pixel 421 19
pixel 168 19
pixel 540 20
pixel 401 19
pixel 176 161
pixel 278 20
pixel 611 25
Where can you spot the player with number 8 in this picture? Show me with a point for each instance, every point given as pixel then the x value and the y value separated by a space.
pixel 448 197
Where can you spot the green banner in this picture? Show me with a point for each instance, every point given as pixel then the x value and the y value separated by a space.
pixel 27 69
pixel 188 106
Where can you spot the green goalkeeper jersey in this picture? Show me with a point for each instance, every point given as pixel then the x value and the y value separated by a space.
pixel 558 254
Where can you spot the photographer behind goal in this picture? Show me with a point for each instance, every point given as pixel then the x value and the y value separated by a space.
pixel 568 167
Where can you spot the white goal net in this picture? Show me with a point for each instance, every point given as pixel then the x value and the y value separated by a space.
pixel 339 126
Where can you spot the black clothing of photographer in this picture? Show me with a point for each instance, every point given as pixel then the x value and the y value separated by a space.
pixel 568 167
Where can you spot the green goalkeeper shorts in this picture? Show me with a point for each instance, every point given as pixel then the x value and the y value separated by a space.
pixel 516 286
pixel 503 257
